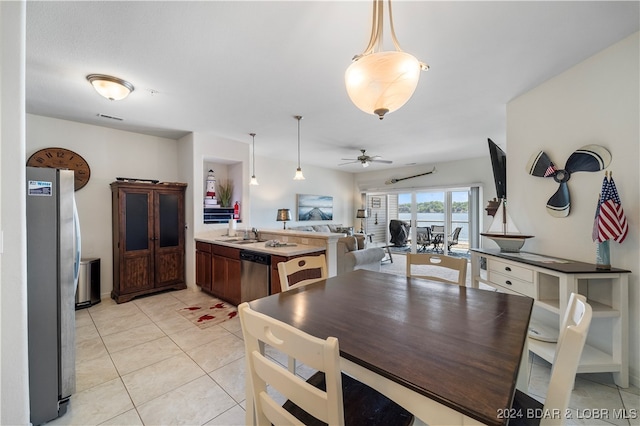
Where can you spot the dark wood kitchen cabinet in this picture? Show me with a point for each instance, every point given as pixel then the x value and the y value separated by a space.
pixel 226 273
pixel 148 238
pixel 204 267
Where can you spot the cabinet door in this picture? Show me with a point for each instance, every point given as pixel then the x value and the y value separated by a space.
pixel 232 288
pixel 219 276
pixel 203 265
pixel 135 242
pixel 169 237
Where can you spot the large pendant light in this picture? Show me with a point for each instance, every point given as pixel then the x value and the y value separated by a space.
pixel 254 180
pixel 380 82
pixel 299 175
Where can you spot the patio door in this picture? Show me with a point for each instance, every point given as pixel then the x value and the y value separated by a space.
pixel 443 211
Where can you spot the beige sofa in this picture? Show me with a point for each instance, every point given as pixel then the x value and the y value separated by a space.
pixel 351 255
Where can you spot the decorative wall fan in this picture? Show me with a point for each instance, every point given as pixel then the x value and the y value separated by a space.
pixel 589 158
pixel 365 159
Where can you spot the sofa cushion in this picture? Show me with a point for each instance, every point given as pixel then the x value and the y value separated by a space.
pixel 351 244
pixel 303 228
pixel 321 228
pixel 344 230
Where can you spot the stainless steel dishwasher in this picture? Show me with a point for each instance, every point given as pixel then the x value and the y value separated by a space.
pixel 255 274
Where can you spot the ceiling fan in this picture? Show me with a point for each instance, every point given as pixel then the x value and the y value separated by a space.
pixel 365 159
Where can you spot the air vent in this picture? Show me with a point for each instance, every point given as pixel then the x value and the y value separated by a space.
pixel 110 117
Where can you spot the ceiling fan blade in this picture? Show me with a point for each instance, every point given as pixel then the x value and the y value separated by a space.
pixel 559 204
pixel 350 162
pixel 589 158
pixel 381 161
pixel 349 159
pixel 541 165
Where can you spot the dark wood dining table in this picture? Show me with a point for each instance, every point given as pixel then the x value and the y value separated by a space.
pixel 448 354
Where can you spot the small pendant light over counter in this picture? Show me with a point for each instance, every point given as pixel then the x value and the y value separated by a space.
pixel 299 175
pixel 254 180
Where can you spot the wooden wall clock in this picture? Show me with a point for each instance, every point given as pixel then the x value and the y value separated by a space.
pixel 61 158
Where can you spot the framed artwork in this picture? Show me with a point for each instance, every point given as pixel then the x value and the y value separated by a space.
pixel 375 202
pixel 315 207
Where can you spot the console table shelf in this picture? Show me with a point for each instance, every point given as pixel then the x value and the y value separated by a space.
pixel 550 281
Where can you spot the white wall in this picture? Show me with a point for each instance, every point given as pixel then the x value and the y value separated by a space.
pixel 14 385
pixel 278 190
pixel 110 154
pixel 595 102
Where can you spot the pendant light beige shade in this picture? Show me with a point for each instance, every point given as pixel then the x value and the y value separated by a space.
pixel 382 82
pixel 378 81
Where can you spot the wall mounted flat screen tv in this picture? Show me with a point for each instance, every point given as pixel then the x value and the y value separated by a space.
pixel 499 165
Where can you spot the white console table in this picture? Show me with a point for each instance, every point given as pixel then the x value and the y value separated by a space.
pixel 550 281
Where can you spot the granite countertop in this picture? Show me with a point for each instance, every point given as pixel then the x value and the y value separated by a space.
pixel 288 250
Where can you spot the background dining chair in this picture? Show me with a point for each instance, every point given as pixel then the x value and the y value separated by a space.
pixel 447 263
pixel 302 271
pixel 573 334
pixel 295 273
pixel 328 396
pixel 437 235
pixel 423 238
pixel 453 238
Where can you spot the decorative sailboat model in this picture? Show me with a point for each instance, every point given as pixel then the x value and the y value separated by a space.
pixel 504 232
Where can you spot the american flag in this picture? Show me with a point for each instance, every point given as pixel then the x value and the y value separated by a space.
pixel 610 222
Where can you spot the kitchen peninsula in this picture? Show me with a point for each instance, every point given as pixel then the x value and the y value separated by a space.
pixel 226 267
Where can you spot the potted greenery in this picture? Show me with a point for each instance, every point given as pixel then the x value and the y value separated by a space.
pixel 225 192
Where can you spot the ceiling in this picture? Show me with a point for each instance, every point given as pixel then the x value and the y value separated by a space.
pixel 230 68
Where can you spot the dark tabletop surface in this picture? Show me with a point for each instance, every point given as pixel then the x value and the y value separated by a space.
pixel 565 266
pixel 459 346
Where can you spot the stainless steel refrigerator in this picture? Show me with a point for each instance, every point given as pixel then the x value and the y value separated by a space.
pixel 53 257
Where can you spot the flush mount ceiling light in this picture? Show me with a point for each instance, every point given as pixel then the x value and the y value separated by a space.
pixel 254 180
pixel 379 82
pixel 299 175
pixel 112 88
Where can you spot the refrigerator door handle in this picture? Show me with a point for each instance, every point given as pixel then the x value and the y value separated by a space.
pixel 77 245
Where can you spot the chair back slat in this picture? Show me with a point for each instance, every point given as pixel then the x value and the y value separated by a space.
pixel 573 335
pixel 291 271
pixel 323 355
pixel 448 263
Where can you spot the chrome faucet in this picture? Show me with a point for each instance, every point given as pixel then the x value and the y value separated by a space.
pixel 255 232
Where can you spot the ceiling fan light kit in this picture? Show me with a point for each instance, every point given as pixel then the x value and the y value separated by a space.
pixel 379 82
pixel 112 88
pixel 365 159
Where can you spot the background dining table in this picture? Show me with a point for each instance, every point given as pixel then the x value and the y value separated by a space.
pixel 432 347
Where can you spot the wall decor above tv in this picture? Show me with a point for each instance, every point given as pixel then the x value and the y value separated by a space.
pixel 315 207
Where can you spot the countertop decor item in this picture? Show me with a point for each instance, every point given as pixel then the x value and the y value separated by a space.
pixel 504 232
pixel 62 158
pixel 284 215
pixel 610 222
pixel 225 192
pixel 379 82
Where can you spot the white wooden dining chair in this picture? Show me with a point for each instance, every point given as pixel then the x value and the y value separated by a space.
pixel 573 334
pixel 448 264
pixel 291 272
pixel 296 268
pixel 328 396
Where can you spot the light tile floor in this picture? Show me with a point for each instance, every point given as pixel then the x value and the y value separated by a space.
pixel 142 363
